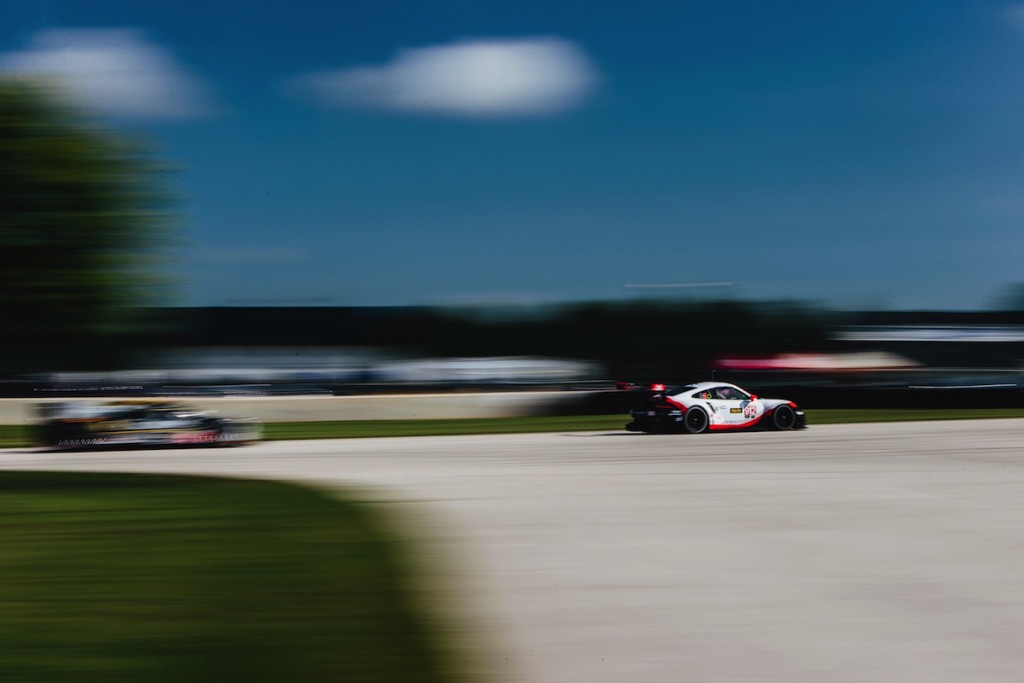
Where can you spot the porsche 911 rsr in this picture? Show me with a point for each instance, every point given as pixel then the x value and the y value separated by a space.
pixel 126 424
pixel 712 406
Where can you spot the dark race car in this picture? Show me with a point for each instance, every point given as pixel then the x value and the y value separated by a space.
pixel 133 424
pixel 712 406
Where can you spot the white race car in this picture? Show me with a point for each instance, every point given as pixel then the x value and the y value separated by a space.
pixel 712 406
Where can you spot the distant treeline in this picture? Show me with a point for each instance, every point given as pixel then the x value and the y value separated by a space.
pixel 638 341
pixel 632 340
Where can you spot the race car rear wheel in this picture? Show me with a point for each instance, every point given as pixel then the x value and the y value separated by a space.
pixel 783 418
pixel 696 421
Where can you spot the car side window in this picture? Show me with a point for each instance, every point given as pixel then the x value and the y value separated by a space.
pixel 730 394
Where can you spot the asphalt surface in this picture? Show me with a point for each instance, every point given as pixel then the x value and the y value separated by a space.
pixel 884 552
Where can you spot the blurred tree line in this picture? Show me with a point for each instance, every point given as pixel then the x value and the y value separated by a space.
pixel 82 220
pixel 640 341
pixel 634 340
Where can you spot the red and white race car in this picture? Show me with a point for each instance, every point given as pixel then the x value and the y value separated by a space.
pixel 712 406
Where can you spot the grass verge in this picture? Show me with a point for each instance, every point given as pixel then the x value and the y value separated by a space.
pixel 111 578
pixel 498 425
pixel 372 428
pixel 15 436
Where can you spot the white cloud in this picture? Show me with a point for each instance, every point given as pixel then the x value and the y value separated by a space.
pixel 474 78
pixel 112 71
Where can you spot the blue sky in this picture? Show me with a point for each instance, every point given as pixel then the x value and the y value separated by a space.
pixel 353 153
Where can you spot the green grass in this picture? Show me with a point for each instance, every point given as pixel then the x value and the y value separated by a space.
pixel 13 436
pixel 498 425
pixel 112 578
pixel 375 428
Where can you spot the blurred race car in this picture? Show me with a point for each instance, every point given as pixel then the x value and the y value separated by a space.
pixel 138 423
pixel 712 406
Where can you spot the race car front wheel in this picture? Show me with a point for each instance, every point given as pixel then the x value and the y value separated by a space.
pixel 783 418
pixel 696 421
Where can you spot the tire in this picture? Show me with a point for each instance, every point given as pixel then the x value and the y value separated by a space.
pixel 696 421
pixel 783 418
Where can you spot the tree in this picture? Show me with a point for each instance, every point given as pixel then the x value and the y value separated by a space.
pixel 82 226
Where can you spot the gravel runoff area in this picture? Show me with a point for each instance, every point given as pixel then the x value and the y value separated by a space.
pixel 854 553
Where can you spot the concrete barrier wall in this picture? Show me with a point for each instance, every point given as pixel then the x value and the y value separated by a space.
pixel 372 407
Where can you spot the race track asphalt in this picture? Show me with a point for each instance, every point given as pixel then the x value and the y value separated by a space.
pixel 852 553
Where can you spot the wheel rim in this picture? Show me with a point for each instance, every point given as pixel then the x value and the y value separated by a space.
pixel 784 417
pixel 696 420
